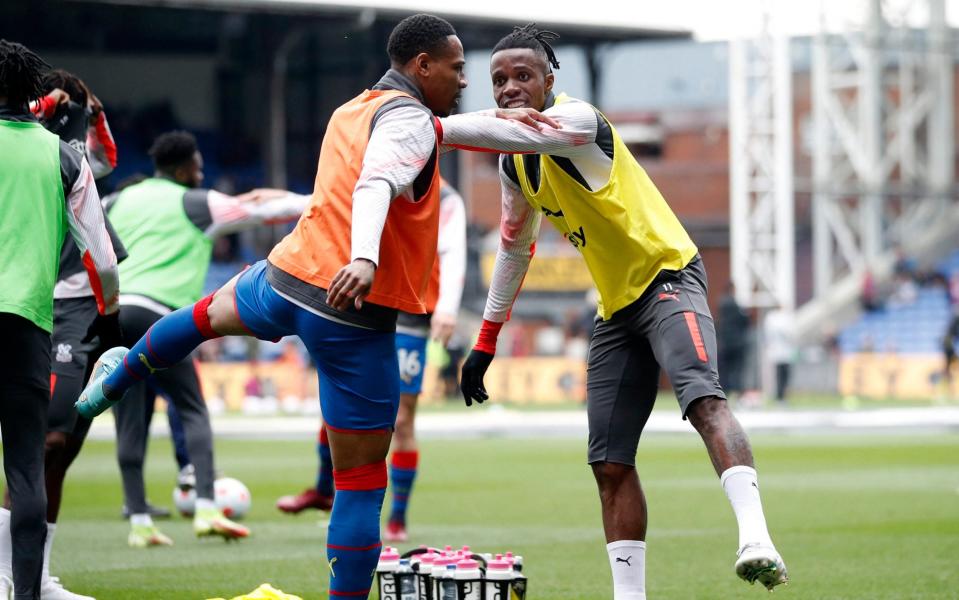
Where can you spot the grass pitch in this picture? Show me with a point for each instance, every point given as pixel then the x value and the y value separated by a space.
pixel 868 516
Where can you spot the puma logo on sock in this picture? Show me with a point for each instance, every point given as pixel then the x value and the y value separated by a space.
pixel 146 363
pixel 625 560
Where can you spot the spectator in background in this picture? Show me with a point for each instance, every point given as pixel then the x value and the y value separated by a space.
pixel 949 352
pixel 780 348
pixel 732 331
pixel 954 290
pixel 449 374
pixel 870 293
pixel 905 288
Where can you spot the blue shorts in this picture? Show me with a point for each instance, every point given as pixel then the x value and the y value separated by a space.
pixel 357 369
pixel 411 354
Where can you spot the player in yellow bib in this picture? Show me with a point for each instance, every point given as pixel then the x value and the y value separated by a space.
pixel 652 310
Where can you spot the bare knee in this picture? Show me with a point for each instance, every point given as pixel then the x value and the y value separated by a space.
pixel 55 443
pixel 612 476
pixel 350 450
pixel 221 311
pixel 709 414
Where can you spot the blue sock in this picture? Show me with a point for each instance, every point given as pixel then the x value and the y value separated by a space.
pixel 353 538
pixel 324 475
pixel 402 474
pixel 167 342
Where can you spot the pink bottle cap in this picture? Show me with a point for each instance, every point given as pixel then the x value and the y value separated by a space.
pixel 448 549
pixel 499 557
pixel 467 563
pixel 466 550
pixel 442 561
pixel 498 565
pixel 389 554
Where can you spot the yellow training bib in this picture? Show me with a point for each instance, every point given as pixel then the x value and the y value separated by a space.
pixel 625 230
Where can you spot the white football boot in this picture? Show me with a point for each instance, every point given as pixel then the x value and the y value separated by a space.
pixel 52 589
pixel 763 564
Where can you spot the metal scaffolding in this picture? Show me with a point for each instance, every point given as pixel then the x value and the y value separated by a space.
pixel 883 147
pixel 762 225
pixel 883 156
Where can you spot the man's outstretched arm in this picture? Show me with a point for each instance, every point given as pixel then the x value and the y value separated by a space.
pixel 506 130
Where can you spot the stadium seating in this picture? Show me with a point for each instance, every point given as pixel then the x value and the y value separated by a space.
pixel 915 328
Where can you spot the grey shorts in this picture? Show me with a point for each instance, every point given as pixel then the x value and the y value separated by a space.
pixel 72 362
pixel 668 326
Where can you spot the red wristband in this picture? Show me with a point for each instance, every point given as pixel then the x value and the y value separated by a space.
pixel 487 337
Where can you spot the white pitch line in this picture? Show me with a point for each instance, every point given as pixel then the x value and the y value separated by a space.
pixel 503 422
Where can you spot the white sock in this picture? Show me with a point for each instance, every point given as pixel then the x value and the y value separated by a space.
pixel 627 559
pixel 144 520
pixel 742 489
pixel 205 504
pixel 6 544
pixel 47 547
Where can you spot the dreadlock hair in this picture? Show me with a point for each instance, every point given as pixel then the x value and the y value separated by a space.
pixel 172 149
pixel 416 34
pixel 528 36
pixel 21 74
pixel 69 83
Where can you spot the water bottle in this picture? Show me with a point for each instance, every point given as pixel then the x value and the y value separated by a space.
pixel 469 580
pixel 386 573
pixel 438 573
pixel 406 581
pixel 424 575
pixel 447 584
pixel 518 586
pixel 499 574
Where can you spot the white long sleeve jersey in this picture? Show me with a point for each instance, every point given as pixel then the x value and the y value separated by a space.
pixel 403 140
pixel 590 163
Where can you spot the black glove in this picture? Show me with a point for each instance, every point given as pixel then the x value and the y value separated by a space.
pixel 471 379
pixel 107 328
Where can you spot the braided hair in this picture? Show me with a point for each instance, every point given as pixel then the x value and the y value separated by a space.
pixel 21 74
pixel 528 36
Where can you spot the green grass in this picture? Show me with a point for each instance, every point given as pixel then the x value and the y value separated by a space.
pixel 855 517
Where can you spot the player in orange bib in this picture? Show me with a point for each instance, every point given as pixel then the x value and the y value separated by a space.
pixel 362 251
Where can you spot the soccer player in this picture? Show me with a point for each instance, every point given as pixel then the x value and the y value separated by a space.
pixel 362 251
pixel 652 310
pixel 72 112
pixel 168 224
pixel 412 331
pixel 46 187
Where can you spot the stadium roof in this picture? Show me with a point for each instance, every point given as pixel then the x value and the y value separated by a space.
pixel 605 21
